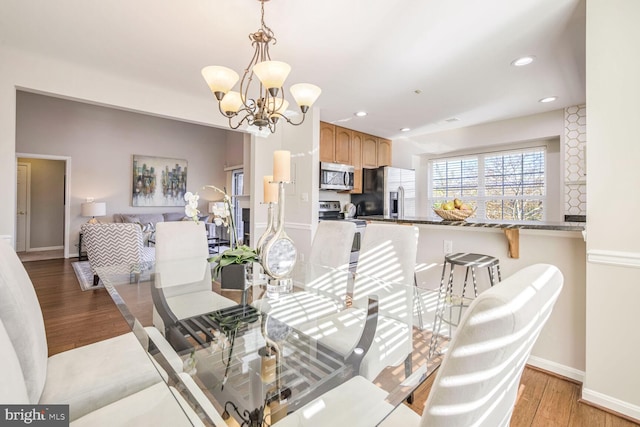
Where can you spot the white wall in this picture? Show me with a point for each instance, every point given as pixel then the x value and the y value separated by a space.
pixel 560 347
pixel 301 201
pixel 24 70
pixel 101 142
pixel 613 243
pixel 519 129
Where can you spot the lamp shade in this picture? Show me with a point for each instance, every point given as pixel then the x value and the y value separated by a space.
pixel 93 209
pixel 219 79
pixel 305 94
pixel 231 103
pixel 278 106
pixel 272 74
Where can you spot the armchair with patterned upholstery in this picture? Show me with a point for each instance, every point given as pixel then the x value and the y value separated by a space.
pixel 115 244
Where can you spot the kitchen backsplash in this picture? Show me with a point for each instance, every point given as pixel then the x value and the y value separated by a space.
pixel 575 170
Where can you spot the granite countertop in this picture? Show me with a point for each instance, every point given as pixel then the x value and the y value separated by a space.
pixel 529 225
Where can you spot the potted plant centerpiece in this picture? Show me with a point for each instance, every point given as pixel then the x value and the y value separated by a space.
pixel 232 263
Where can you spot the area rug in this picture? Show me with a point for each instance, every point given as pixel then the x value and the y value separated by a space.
pixel 85 276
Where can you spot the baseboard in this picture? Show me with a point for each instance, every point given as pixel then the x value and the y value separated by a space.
pixel 45 248
pixel 556 368
pixel 611 403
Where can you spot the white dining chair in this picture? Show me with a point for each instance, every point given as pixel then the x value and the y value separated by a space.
pixel 477 382
pixel 86 378
pixel 183 273
pixel 325 281
pixel 385 271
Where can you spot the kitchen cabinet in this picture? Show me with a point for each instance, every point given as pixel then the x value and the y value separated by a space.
pixel 350 147
pixel 356 158
pixel 327 142
pixel 342 150
pixel 384 152
pixel 335 144
pixel 369 151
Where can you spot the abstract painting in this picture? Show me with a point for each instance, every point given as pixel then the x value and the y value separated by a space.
pixel 158 181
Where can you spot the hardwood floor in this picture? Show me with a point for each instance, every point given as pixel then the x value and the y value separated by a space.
pixel 74 318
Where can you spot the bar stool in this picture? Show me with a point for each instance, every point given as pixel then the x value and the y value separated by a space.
pixel 445 294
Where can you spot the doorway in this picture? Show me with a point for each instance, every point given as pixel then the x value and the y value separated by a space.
pixel 43 208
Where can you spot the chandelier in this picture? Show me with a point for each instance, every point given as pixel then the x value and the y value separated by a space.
pixel 268 106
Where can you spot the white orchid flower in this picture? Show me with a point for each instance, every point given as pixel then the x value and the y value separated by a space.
pixel 190 211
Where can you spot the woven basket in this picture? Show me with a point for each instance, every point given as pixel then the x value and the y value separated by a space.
pixel 454 214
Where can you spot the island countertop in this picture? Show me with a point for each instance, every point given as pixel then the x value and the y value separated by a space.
pixel 525 225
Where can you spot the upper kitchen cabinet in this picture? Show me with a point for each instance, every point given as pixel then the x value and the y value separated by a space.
pixel 350 147
pixel 343 146
pixel 335 144
pixel 327 142
pixel 369 152
pixel 356 158
pixel 384 152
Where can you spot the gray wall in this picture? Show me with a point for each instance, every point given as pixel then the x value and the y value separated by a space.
pixel 101 142
pixel 47 203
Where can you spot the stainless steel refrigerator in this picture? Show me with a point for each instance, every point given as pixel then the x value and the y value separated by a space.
pixel 387 191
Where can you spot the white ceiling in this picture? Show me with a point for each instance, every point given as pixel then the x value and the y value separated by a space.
pixel 369 55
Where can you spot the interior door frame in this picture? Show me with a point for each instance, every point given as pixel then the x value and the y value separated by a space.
pixel 27 217
pixel 67 190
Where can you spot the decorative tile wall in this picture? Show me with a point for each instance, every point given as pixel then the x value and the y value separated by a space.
pixel 575 171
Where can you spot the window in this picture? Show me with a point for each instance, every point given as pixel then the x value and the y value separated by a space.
pixel 237 189
pixel 508 185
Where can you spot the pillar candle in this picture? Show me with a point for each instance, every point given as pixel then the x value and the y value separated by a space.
pixel 270 190
pixel 282 166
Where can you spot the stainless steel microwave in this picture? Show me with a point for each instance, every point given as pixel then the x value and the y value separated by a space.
pixel 335 176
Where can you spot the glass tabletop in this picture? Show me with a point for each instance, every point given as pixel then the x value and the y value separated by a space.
pixel 258 354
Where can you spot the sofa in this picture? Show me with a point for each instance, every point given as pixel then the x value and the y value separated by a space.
pixel 148 221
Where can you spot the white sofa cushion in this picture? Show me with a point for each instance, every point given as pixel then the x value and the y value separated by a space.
pixel 12 387
pixel 95 375
pixel 20 312
pixel 153 406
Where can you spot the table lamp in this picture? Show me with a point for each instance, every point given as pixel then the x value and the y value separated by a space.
pixel 94 209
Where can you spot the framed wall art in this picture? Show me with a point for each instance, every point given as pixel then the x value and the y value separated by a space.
pixel 158 181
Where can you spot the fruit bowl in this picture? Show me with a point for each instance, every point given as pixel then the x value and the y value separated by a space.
pixel 454 214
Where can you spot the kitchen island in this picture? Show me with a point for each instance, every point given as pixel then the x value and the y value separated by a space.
pixel 560 347
pixel 525 225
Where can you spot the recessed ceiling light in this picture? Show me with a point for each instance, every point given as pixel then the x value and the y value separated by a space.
pixel 405 129
pixel 521 62
pixel 361 113
pixel 452 119
pixel 548 99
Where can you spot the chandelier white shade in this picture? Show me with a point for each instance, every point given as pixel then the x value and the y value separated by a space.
pixel 265 105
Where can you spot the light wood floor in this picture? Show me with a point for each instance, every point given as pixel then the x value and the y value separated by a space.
pixel 74 318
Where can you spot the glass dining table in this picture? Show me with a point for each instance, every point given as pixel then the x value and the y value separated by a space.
pixel 256 355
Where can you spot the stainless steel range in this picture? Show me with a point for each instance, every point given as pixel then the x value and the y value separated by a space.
pixel 330 211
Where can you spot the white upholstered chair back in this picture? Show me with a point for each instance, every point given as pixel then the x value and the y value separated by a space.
pixel 332 244
pixel 183 272
pixel 180 240
pixel 478 380
pixel 331 247
pixel 178 245
pixel 385 269
pixel 387 255
pixel 20 312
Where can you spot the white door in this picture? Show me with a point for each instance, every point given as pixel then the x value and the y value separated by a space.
pixel 22 213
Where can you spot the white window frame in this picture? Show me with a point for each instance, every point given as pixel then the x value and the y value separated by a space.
pixel 481 199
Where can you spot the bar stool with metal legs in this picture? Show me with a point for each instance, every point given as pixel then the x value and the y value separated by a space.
pixel 445 293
